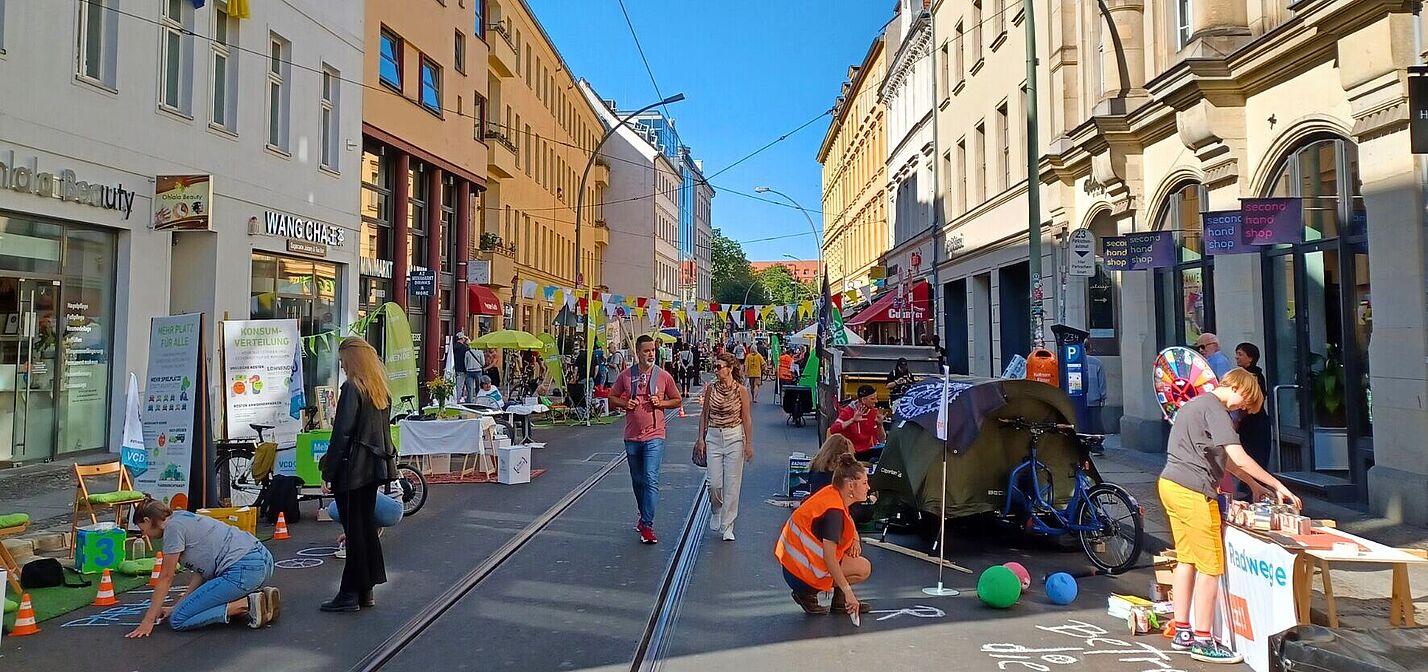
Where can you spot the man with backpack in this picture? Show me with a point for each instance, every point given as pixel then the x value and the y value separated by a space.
pixel 645 391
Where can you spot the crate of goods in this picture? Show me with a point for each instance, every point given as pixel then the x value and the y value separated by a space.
pixel 244 518
pixel 798 484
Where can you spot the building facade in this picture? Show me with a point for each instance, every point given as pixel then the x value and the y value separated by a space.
pixel 700 279
pixel 543 130
pixel 801 271
pixel 695 200
pixel 854 160
pixel 160 97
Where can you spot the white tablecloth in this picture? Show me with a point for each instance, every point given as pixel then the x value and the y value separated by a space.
pixel 429 437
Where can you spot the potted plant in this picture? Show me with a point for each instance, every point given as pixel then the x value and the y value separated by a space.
pixel 490 241
pixel 441 389
pixel 1326 385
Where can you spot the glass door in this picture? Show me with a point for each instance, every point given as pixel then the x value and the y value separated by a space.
pixel 32 343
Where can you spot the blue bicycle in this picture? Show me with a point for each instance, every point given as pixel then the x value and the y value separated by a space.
pixel 1106 518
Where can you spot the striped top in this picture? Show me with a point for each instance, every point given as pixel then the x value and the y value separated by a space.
pixel 724 404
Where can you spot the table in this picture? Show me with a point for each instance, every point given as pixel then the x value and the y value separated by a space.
pixel 454 437
pixel 511 411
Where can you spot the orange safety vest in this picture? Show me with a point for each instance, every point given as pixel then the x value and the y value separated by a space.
pixel 785 367
pixel 800 551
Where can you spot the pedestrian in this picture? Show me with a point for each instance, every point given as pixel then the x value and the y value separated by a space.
pixel 726 439
pixel 359 459
pixel 819 548
pixel 227 571
pixel 1209 345
pixel 1203 446
pixel 1095 394
pixel 488 395
pixel 475 363
pixel 686 368
pixel 785 371
pixel 754 369
pixel 493 366
pixel 860 423
pixel 598 360
pixel 459 349
pixel 696 372
pixel 645 391
pixel 820 470
pixel 1254 428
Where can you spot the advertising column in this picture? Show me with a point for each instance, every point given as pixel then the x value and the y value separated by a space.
pixel 258 373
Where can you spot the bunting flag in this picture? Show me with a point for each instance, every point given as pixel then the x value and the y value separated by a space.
pixel 528 289
pixel 715 308
pixel 837 300
pixel 570 300
pixel 641 302
pixel 653 314
pixel 749 317
pixel 610 309
pixel 866 292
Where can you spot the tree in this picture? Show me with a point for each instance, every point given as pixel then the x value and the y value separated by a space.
pixel 778 285
pixel 731 275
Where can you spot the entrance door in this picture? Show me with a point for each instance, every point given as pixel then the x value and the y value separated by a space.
pixel 29 364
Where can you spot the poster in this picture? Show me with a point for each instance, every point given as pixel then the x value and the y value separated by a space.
pixel 171 400
pixel 181 202
pixel 1260 580
pixel 257 377
pixel 400 357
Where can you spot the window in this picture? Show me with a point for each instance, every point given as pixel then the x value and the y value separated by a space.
pixel 331 117
pixel 175 54
pixel 976 32
pixel 224 108
pixel 999 16
pixel 981 149
pixel 1184 293
pixel 1183 27
pixel 943 85
pixel 478 112
pixel 528 144
pixel 460 52
pixel 480 28
pixel 961 55
pixel 2 26
pixel 98 42
pixel 391 65
pixel 279 72
pixel 1004 137
pixel 430 85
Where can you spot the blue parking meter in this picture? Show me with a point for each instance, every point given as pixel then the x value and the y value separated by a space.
pixel 1071 351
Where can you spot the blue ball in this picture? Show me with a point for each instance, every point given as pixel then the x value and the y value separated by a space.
pixel 1061 588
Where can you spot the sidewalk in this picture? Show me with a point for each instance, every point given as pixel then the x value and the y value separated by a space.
pixel 1361 596
pixel 46 492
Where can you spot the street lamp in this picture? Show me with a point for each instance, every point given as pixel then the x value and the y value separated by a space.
pixel 817 239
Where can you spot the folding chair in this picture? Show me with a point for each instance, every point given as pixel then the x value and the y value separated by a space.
pixel 122 496
pixel 12 524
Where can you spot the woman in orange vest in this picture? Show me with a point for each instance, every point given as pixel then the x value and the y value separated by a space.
pixel 819 548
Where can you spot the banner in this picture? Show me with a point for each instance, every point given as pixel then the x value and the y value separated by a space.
pixel 1138 251
pixel 1260 580
pixel 400 356
pixel 171 398
pixel 1222 231
pixel 1271 221
pixel 258 373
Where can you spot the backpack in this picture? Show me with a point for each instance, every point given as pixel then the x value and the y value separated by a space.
pixel 280 495
pixel 47 573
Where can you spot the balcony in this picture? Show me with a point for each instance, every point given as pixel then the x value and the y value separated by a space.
pixel 602 231
pixel 502 256
pixel 503 49
pixel 600 174
pixel 501 159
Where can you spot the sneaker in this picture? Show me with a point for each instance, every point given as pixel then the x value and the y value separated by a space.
pixel 647 535
pixel 1211 651
pixel 729 534
pixel 275 604
pixel 1184 639
pixel 341 553
pixel 257 610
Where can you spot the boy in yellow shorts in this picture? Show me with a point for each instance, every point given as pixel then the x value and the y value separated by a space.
pixel 1203 446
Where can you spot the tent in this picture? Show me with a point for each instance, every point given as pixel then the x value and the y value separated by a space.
pixel 810 333
pixel 909 471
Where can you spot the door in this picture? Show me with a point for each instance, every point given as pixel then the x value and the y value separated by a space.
pixel 30 365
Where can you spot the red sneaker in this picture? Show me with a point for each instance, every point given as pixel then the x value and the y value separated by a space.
pixel 647 534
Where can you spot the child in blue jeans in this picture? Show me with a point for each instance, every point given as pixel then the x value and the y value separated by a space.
pixel 227 567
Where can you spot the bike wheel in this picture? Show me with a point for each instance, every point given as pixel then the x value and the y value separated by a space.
pixel 1112 527
pixel 413 486
pixel 236 474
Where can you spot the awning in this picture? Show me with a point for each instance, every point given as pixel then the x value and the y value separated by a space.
pixel 482 301
pixel 894 307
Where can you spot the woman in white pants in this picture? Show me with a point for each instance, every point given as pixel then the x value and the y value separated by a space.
pixel 726 441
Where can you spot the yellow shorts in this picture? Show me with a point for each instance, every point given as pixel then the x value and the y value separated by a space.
pixel 1195 525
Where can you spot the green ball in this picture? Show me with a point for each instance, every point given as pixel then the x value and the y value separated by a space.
pixel 998 587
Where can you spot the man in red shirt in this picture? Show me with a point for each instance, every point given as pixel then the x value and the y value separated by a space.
pixel 860 423
pixel 645 391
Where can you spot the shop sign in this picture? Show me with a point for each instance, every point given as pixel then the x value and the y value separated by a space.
pixel 421 283
pixel 303 247
pixel 1083 253
pixel 1271 221
pixel 377 268
pixel 66 186
pixel 183 202
pixel 1222 233
pixel 954 244
pixel 1418 109
pixel 297 228
pixel 1138 251
pixel 478 272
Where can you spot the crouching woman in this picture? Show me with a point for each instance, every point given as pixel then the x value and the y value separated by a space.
pixel 227 568
pixel 819 548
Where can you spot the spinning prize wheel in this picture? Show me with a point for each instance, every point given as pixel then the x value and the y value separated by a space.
pixel 1180 374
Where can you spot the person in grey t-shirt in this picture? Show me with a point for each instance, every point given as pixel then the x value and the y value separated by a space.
pixel 228 569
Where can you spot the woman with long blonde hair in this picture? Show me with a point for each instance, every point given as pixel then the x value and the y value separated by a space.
pixel 359 459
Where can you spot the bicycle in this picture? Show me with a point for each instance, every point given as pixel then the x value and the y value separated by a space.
pixel 236 483
pixel 409 488
pixel 1106 518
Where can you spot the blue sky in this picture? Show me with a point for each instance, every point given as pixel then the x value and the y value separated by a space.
pixel 751 71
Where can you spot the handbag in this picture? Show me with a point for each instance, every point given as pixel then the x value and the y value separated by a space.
pixel 47 573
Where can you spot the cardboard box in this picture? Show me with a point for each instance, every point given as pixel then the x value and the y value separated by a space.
pixel 99 547
pixel 1165 567
pixel 514 465
pixel 244 518
pixel 440 463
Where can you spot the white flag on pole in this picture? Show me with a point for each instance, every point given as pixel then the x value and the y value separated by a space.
pixel 942 408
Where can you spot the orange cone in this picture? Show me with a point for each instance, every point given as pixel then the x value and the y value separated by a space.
pixel 106 598
pixel 282 531
pixel 158 563
pixel 25 619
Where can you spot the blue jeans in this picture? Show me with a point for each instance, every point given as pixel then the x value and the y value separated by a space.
pixel 644 458
pixel 208 603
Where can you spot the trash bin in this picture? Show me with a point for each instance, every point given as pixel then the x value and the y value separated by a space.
pixel 1041 367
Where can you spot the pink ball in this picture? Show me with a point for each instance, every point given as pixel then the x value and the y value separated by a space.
pixel 1020 573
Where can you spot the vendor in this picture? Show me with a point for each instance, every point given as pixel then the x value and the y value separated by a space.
pixel 227 571
pixel 819 548
pixel 860 423
pixel 1203 445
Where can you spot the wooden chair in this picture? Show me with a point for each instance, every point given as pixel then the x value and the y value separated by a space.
pixel 85 502
pixel 13 524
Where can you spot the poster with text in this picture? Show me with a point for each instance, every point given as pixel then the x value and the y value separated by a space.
pixel 1260 579
pixel 257 374
pixel 170 399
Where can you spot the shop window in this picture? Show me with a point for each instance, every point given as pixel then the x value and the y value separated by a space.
pixel 1184 293
pixel 306 291
pixel 88 327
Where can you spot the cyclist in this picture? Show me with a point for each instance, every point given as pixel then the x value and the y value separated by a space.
pixel 1203 445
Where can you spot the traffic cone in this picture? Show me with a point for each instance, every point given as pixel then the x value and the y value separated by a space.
pixel 158 563
pixel 25 619
pixel 106 598
pixel 282 531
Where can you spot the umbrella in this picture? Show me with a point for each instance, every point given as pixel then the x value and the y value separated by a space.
pixel 672 332
pixel 509 339
pixel 664 338
pixel 810 333
pixel 969 400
